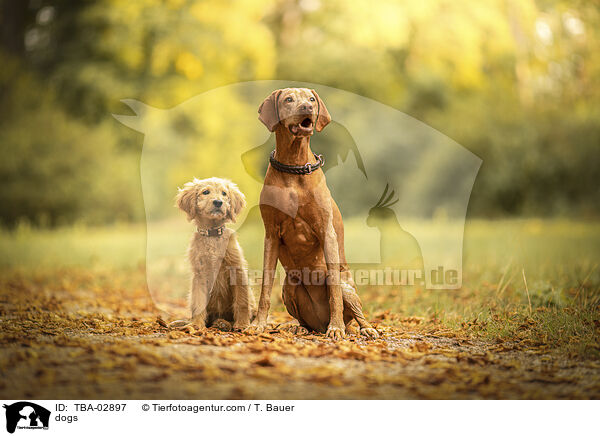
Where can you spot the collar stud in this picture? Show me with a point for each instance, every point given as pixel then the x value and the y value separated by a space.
pixel 211 232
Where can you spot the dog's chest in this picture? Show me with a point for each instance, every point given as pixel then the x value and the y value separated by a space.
pixel 208 254
pixel 301 208
pixel 297 234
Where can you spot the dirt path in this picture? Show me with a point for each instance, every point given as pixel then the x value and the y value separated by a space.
pixel 83 343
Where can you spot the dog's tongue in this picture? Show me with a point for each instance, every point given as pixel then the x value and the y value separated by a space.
pixel 299 130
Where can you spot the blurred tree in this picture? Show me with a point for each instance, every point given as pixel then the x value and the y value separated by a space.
pixel 516 82
pixel 88 56
pixel 13 27
pixel 53 168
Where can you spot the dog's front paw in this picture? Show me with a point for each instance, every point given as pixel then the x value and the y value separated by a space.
pixel 335 333
pixel 198 323
pixel 370 333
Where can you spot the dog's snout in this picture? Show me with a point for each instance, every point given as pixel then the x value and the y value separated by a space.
pixel 307 108
pixel 218 203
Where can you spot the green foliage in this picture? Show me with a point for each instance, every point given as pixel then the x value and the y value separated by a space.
pixel 55 169
pixel 516 82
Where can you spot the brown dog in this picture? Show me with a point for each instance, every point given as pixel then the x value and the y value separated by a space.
pixel 303 225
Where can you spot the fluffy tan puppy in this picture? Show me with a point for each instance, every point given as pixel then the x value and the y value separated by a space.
pixel 220 293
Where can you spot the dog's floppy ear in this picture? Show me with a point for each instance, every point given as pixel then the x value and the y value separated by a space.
pixel 323 117
pixel 268 111
pixel 186 200
pixel 238 201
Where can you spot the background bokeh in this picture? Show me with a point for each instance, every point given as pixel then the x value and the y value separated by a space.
pixel 89 231
pixel 515 82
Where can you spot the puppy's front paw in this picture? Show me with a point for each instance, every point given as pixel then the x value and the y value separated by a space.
pixel 335 333
pixel 370 333
pixel 199 323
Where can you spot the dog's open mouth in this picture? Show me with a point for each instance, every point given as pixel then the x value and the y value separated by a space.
pixel 217 211
pixel 303 128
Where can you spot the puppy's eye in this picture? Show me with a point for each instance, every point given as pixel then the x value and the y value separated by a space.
pixel 206 192
pixel 224 193
pixel 312 99
pixel 289 99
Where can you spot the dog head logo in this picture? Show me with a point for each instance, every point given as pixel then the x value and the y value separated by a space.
pixel 26 415
pixel 370 152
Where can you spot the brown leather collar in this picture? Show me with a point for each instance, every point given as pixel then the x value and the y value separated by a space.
pixel 211 232
pixel 307 168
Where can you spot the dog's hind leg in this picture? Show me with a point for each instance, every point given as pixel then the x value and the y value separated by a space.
pixel 299 305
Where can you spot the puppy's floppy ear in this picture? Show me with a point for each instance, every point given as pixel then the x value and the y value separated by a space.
pixel 268 112
pixel 186 200
pixel 237 199
pixel 323 117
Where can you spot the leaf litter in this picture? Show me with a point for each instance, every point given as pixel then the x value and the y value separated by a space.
pixel 64 335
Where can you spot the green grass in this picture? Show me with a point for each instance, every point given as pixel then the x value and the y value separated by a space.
pixel 559 260
pixel 27 249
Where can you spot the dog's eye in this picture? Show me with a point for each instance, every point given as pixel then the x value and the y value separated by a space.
pixel 206 192
pixel 224 193
pixel 312 99
pixel 289 99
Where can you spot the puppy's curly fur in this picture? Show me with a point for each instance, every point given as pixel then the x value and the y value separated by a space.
pixel 220 274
